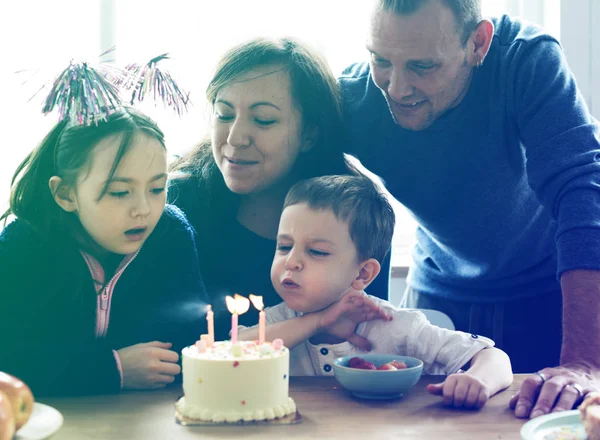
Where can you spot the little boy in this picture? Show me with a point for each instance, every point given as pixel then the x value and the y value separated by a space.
pixel 333 232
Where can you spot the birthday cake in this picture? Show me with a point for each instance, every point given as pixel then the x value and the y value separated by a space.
pixel 227 382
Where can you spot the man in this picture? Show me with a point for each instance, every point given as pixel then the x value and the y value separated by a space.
pixel 478 128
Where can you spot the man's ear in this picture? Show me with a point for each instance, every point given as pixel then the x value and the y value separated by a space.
pixel 368 271
pixel 309 139
pixel 62 195
pixel 479 43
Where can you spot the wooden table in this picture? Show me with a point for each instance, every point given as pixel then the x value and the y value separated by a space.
pixel 328 411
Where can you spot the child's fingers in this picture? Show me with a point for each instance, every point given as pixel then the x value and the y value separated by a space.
pixel 169 368
pixel 158 344
pixel 354 297
pixel 460 393
pixel 484 396
pixel 382 314
pixel 359 342
pixel 351 304
pixel 163 379
pixel 378 312
pixel 378 315
pixel 371 307
pixel 448 391
pixel 435 388
pixel 472 395
pixel 367 315
pixel 166 355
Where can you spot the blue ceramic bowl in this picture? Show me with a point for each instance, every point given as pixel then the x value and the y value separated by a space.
pixel 378 384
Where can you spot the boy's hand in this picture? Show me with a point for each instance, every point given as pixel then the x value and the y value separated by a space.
pixel 148 366
pixel 340 318
pixel 461 390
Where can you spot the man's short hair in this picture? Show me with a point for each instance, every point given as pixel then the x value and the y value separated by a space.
pixel 467 12
pixel 356 201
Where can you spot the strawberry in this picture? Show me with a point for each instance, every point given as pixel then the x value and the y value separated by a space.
pixel 398 365
pixel 361 364
pixel 368 366
pixel 387 366
pixel 356 362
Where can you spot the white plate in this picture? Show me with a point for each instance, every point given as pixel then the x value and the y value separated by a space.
pixel 44 422
pixel 556 426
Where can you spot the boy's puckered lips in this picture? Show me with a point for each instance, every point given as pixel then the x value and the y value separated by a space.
pixel 289 283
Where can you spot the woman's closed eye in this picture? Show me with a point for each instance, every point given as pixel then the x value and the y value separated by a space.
pixel 265 122
pixel 157 191
pixel 225 118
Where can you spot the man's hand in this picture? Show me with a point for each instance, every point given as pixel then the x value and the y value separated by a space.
pixel 461 390
pixel 554 389
pixel 341 318
pixel 148 366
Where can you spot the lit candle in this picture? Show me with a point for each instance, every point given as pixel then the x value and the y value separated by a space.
pixel 236 306
pixel 257 301
pixel 261 327
pixel 234 326
pixel 210 322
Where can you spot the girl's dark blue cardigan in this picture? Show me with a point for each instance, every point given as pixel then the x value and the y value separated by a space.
pixel 48 306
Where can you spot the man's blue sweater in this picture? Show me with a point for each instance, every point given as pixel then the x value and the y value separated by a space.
pixel 505 186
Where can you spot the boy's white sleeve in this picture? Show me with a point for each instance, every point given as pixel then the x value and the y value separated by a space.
pixel 279 313
pixel 274 314
pixel 442 351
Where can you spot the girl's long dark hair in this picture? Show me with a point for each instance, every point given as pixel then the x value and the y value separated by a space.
pixel 66 152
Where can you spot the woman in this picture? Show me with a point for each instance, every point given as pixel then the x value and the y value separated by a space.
pixel 276 119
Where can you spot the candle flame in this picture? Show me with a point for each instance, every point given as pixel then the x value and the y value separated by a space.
pixel 242 304
pixel 257 302
pixel 230 304
pixel 208 308
pixel 238 304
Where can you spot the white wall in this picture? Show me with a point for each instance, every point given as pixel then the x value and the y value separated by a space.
pixel 595 56
pixel 397 287
pixel 580 38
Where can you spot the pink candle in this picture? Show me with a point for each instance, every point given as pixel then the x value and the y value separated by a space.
pixel 257 302
pixel 210 321
pixel 236 306
pixel 261 327
pixel 234 326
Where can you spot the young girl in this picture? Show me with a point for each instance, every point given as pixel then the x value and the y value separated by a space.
pixel 100 280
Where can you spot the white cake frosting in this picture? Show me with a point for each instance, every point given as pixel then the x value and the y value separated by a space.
pixel 228 383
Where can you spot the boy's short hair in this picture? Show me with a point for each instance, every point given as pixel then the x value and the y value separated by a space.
pixel 355 200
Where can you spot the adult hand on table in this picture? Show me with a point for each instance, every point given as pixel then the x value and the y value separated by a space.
pixel 555 389
pixel 562 388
